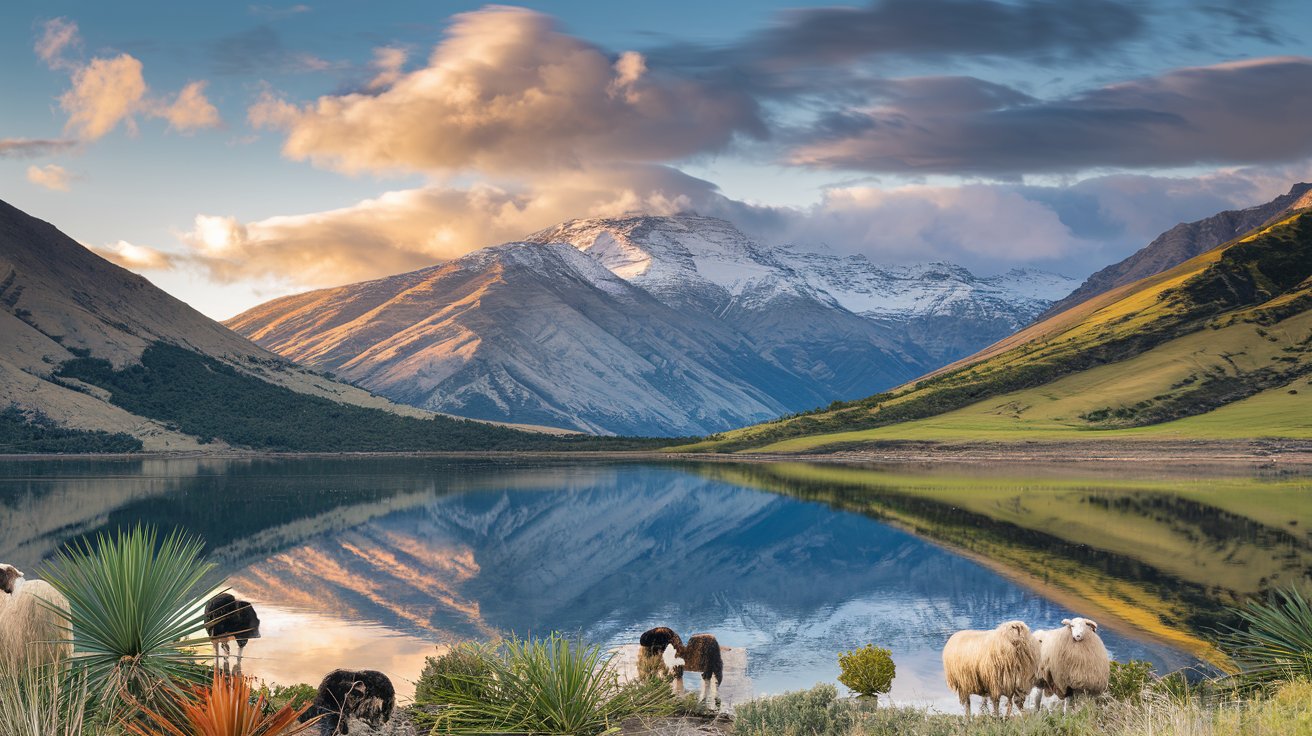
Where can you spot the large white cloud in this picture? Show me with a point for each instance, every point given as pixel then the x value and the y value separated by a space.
pixel 507 91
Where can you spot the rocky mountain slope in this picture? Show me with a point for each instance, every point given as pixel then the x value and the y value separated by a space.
pixel 91 349
pixel 1184 241
pixel 1218 347
pixel 644 325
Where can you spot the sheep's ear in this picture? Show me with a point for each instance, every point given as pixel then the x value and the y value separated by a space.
pixel 1092 624
pixel 1065 622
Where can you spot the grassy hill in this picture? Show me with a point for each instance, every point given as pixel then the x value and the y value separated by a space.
pixel 1219 347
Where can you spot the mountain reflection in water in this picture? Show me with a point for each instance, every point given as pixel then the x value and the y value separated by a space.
pixel 372 562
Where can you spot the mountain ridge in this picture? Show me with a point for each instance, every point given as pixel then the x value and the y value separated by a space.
pixel 734 331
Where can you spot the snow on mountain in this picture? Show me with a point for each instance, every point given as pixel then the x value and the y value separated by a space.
pixel 646 325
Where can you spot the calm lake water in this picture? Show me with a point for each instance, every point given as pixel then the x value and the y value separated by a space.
pixel 371 563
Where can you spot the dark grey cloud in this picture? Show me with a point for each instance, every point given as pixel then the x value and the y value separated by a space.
pixel 1232 113
pixel 33 147
pixel 783 58
pixel 261 51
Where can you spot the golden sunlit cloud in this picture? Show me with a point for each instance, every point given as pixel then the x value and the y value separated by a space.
pixel 51 176
pixel 134 257
pixel 108 91
pixel 505 91
pixel 409 229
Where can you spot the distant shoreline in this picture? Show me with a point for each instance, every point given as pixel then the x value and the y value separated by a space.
pixel 1177 453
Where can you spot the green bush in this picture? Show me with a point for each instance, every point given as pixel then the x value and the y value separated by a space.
pixel 534 686
pixel 868 670
pixel 1129 679
pixel 466 668
pixel 276 696
pixel 814 712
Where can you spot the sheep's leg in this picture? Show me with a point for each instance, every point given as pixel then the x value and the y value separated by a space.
pixel 227 658
pixel 703 691
pixel 215 644
pixel 712 689
pixel 241 650
pixel 965 703
pixel 997 711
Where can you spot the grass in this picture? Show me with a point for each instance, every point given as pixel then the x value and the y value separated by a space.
pixel 1230 324
pixel 40 701
pixel 553 685
pixel 1287 711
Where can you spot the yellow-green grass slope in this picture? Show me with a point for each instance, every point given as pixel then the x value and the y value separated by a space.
pixel 1219 347
pixel 1161 555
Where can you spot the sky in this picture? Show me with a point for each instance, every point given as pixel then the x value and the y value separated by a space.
pixel 233 152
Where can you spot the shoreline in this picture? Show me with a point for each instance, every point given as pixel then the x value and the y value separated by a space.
pixel 1168 453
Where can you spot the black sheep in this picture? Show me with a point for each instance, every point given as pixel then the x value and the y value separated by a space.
pixel 702 654
pixel 344 694
pixel 228 619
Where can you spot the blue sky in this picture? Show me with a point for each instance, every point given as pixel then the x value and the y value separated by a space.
pixel 234 152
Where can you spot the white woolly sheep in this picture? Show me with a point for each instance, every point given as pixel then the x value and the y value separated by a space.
pixel 34 622
pixel 1072 661
pixel 992 664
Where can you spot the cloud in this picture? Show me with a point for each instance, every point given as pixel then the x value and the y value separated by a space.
pixel 104 93
pixel 409 229
pixel 110 91
pixel 1232 113
pixel 190 110
pixel 33 147
pixel 260 51
pixel 506 91
pixel 388 63
pixel 273 12
pixel 135 257
pixel 57 36
pixel 51 176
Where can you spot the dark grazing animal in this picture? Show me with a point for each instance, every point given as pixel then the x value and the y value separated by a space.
pixel 702 654
pixel 345 694
pixel 651 653
pixel 226 620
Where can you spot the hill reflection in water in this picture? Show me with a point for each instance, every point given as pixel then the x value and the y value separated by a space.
pixel 372 562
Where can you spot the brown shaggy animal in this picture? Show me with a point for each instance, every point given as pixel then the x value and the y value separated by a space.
pixel 34 622
pixel 1072 661
pixel 993 664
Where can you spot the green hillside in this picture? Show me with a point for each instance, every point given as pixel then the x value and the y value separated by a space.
pixel 1219 347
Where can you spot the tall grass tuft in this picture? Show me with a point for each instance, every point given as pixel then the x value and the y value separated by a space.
pixel 224 707
pixel 42 701
pixel 136 602
pixel 1274 642
pixel 554 685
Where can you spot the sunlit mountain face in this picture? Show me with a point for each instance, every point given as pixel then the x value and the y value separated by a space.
pixel 376 564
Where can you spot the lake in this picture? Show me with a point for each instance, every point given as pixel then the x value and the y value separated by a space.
pixel 372 562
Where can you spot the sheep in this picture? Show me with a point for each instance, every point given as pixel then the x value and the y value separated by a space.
pixel 35 628
pixel 1072 661
pixel 656 655
pixel 345 694
pixel 226 620
pixel 992 664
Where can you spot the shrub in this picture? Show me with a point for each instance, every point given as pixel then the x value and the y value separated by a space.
pixel 814 712
pixel 868 670
pixel 1129 679
pixel 466 668
pixel 136 602
pixel 277 696
pixel 534 686
pixel 224 707
pixel 1274 640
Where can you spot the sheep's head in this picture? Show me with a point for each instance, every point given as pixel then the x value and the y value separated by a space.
pixel 9 577
pixel 1015 631
pixel 1080 627
pixel 671 657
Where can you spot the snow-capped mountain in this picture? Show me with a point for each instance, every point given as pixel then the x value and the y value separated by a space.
pixel 645 325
